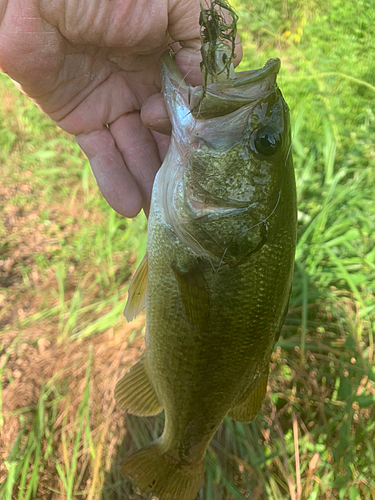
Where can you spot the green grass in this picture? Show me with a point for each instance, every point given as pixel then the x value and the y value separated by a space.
pixel 66 260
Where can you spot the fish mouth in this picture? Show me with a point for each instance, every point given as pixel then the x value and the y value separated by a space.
pixel 223 98
pixel 219 98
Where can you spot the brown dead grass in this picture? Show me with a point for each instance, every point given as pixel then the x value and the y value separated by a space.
pixel 32 355
pixel 34 360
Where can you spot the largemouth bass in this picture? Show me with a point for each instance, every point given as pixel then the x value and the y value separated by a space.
pixel 217 276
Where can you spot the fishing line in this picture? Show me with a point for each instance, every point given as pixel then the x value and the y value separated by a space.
pixel 270 215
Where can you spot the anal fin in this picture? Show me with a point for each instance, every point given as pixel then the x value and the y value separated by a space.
pixel 249 408
pixel 135 393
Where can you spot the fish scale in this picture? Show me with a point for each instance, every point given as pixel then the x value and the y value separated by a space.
pixel 217 278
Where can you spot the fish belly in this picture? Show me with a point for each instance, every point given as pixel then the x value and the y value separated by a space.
pixel 203 364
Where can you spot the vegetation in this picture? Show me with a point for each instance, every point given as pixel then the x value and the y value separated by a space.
pixel 66 260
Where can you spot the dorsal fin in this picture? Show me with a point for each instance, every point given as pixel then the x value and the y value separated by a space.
pixel 137 291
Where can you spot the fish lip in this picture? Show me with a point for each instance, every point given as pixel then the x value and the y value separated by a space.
pixel 271 68
pixel 219 98
pixel 168 65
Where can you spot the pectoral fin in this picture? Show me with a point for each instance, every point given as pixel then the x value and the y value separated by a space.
pixel 194 294
pixel 137 291
pixel 135 393
pixel 249 408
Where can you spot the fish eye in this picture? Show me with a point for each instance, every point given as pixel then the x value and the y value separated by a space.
pixel 267 141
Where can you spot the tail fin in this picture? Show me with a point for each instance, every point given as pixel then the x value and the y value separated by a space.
pixel 153 473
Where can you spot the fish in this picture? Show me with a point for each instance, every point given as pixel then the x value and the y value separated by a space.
pixel 216 279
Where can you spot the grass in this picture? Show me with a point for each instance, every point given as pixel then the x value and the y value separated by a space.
pixel 66 260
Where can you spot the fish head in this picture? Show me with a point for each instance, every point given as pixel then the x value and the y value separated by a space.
pixel 234 139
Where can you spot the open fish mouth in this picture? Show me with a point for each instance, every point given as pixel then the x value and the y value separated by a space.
pixel 219 98
pixel 223 98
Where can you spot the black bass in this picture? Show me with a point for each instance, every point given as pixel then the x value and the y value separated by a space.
pixel 217 276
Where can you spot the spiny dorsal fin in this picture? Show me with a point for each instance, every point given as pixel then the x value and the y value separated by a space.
pixel 137 291
pixel 249 408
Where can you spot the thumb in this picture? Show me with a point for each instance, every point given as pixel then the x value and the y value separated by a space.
pixel 183 27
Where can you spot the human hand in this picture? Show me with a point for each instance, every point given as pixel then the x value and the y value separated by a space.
pixel 91 65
